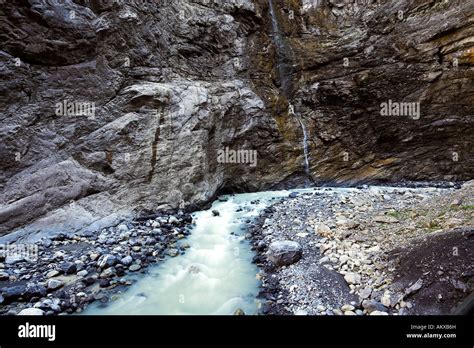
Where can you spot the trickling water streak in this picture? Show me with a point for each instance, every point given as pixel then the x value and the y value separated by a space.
pixel 305 146
pixel 284 71
pixel 305 139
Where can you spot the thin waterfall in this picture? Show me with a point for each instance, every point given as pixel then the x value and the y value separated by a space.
pixel 305 139
pixel 285 70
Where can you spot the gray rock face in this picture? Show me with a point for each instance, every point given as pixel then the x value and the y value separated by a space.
pixel 284 253
pixel 170 85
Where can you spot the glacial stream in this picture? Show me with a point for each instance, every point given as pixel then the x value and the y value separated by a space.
pixel 215 275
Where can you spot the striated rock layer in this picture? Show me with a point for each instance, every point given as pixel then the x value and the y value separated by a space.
pixel 172 83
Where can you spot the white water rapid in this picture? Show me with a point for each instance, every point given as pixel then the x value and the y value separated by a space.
pixel 215 275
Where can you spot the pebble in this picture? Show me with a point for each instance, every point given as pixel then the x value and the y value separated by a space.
pixel 135 267
pixel 324 259
pixel 352 278
pixel 347 223
pixel 321 308
pixel 46 243
pixel 35 290
pixel 414 287
pixel 12 259
pixel 82 273
pixel 347 307
pixel 386 219
pixel 52 304
pixel 324 231
pixel 122 228
pixel 4 276
pixel 173 220
pixel 343 259
pixel 172 252
pixel 127 260
pixel 13 292
pixel 106 261
pixel 31 311
pixel 68 267
pixel 378 313
pixel 301 312
pixel 239 311
pixel 365 293
pixel 385 300
pixel 108 273
pixel 89 280
pixel 372 305
pixel 284 252
pixel 59 254
pixel 54 284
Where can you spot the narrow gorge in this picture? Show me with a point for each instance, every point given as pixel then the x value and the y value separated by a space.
pixel 299 157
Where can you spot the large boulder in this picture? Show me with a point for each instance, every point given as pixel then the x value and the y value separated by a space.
pixel 284 253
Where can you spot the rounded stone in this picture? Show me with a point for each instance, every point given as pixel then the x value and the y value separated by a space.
pixel 284 253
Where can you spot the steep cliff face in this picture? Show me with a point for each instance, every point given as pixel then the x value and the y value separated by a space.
pixel 173 84
pixel 348 61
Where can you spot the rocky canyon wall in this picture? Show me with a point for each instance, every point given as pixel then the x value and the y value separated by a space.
pixel 173 83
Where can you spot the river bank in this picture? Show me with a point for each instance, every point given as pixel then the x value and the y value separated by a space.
pixel 71 271
pixel 375 250
pixel 353 251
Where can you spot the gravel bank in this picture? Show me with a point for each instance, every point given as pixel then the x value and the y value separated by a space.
pixel 70 272
pixel 373 250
